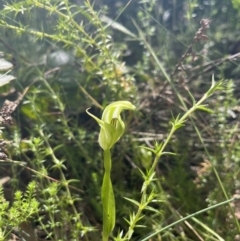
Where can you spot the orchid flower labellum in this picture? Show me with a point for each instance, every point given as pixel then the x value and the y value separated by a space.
pixel 112 126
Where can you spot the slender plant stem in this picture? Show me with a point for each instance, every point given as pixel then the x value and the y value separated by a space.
pixel 156 160
pixel 108 200
pixel 188 217
pixel 219 180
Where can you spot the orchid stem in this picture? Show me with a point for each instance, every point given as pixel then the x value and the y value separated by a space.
pixel 108 200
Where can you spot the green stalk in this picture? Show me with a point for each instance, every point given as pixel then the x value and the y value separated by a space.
pixel 187 217
pixel 112 129
pixel 107 196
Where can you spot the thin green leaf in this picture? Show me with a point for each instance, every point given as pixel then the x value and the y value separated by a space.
pixel 108 203
pixel 209 230
pixel 132 201
pixel 169 153
pixel 152 209
pixel 116 25
pixel 148 148
pixel 203 108
pixel 140 226
pixel 192 98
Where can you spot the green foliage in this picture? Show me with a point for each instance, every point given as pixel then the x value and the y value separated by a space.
pixel 24 207
pixel 236 4
pixel 159 55
pixel 112 129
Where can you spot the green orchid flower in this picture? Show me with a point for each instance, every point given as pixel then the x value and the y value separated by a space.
pixel 112 126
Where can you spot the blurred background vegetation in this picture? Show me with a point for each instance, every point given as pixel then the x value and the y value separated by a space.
pixel 76 54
